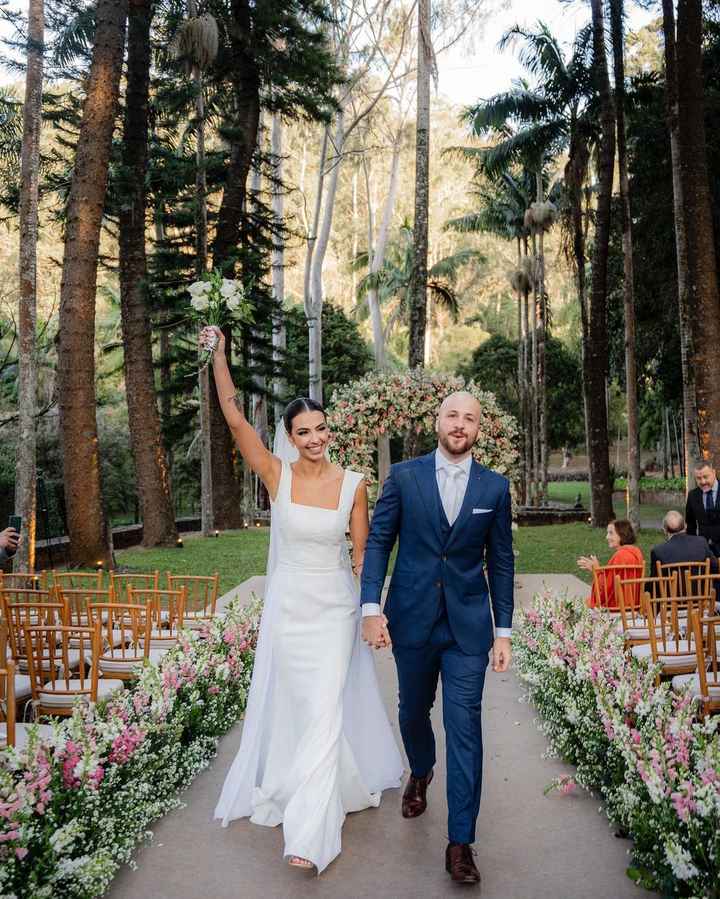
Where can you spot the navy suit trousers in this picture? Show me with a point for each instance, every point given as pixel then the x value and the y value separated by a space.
pixel 463 678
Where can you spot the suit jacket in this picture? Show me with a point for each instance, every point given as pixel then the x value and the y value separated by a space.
pixel 699 520
pixel 441 568
pixel 681 548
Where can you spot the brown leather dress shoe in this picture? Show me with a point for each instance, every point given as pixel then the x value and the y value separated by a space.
pixel 460 865
pixel 414 800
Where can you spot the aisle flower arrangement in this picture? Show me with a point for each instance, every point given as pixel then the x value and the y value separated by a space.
pixel 396 402
pixel 73 808
pixel 638 745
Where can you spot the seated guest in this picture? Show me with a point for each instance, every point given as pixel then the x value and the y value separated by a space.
pixel 621 539
pixel 702 511
pixel 680 546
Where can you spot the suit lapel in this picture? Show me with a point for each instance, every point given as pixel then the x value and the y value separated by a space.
pixel 472 497
pixel 424 473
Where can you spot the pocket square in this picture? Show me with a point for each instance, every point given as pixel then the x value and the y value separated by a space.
pixel 480 511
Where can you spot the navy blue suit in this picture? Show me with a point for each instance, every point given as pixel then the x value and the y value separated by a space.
pixel 439 614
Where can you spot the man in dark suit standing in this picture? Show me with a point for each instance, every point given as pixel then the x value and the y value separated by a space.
pixel 702 511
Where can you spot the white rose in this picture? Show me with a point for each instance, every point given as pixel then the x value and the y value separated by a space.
pixel 200 302
pixel 233 302
pixel 229 289
pixel 199 288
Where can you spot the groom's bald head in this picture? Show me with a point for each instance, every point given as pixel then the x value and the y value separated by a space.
pixel 458 423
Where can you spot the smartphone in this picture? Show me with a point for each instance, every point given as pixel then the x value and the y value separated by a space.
pixel 15 521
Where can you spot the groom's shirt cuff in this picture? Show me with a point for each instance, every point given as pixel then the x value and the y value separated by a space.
pixel 370 608
pixel 503 632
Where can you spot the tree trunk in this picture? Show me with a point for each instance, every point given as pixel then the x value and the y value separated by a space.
pixel 690 418
pixel 521 377
pixel 542 455
pixel 244 77
pixel 87 525
pixel 314 303
pixel 597 350
pixel 278 270
pixel 25 467
pixel 417 292
pixel 575 176
pixel 703 296
pixel 527 392
pixel 534 379
pixel 153 477
pixel 633 457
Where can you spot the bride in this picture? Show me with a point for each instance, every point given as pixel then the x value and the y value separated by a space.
pixel 316 741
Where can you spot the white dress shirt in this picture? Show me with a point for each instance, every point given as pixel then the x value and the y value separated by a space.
pixel 452 480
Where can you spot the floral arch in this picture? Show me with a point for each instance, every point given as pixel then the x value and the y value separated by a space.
pixel 393 403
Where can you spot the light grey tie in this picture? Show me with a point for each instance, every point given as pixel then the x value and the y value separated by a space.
pixel 453 492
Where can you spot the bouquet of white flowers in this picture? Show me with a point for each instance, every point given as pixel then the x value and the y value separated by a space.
pixel 218 301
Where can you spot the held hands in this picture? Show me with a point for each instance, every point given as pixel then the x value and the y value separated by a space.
pixel 588 562
pixel 501 654
pixel 212 334
pixel 375 632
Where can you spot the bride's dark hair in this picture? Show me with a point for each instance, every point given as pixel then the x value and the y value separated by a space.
pixel 297 407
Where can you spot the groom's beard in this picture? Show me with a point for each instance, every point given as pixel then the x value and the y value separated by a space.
pixel 456 447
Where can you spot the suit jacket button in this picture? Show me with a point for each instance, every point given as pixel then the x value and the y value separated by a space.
pixel 444 558
pixel 438 583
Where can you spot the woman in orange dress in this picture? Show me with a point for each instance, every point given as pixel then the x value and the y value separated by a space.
pixel 621 539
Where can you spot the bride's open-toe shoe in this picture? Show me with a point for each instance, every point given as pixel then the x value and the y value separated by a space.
pixel 296 862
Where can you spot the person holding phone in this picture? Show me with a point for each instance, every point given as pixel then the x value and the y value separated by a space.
pixel 10 538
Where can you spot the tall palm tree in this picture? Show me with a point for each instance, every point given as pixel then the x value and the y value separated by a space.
pixel 25 469
pixel 500 208
pixel 633 427
pixel 393 281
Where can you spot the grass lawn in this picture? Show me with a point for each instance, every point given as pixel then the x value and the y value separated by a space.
pixel 237 555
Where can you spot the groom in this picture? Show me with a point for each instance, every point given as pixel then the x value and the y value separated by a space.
pixel 453 520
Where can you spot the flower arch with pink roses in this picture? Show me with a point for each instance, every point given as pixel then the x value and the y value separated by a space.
pixel 394 402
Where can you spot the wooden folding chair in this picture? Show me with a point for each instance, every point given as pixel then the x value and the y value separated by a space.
pixel 120 583
pixel 672 642
pixel 604 575
pixel 23 580
pixel 201 596
pixel 125 638
pixel 8 712
pixel 630 593
pixel 20 615
pixel 167 611
pixel 78 580
pixel 687 573
pixel 22 595
pixel 705 681
pixel 55 686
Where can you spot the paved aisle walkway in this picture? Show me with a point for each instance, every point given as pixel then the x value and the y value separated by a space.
pixel 529 846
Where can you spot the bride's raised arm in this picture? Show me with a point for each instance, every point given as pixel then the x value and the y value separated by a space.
pixel 258 457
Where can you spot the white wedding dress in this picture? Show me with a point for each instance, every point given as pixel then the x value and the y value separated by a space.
pixel 316 741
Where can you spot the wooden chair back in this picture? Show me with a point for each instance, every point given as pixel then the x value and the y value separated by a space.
pixel 705 630
pixel 120 584
pixel 78 580
pixel 76 604
pixel 23 580
pixel 687 573
pixel 166 611
pixel 21 596
pixel 56 681
pixel 604 575
pixel 201 595
pixel 672 641
pixel 630 593
pixel 18 616
pixel 124 638
pixel 8 710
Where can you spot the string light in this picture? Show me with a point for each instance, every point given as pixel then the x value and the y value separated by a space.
pixel 179 543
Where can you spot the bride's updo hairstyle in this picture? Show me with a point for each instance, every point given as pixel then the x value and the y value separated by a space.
pixel 297 407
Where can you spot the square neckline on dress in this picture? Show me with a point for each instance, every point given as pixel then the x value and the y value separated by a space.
pixel 322 508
